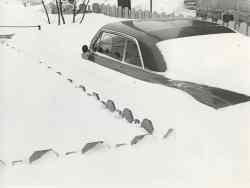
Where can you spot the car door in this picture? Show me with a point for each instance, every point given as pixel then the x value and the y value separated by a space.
pixel 116 59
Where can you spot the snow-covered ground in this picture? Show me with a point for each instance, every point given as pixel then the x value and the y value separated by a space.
pixel 209 60
pixel 40 109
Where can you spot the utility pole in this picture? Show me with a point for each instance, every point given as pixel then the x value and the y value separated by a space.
pixel 151 6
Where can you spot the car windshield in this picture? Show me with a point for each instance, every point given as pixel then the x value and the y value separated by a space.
pixel 211 96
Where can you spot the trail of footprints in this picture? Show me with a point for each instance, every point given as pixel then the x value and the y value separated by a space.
pixel 126 113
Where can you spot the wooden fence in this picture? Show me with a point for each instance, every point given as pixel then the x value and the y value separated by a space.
pixel 242 25
pixel 120 12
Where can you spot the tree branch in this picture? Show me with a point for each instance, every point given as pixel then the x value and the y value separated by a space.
pixel 46 11
pixel 61 11
pixel 84 11
pixel 58 13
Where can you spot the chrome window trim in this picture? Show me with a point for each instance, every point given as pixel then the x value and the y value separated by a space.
pixel 126 37
pixel 125 50
pixel 131 65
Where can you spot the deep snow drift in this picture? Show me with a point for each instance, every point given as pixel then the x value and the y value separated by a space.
pixel 41 109
pixel 229 67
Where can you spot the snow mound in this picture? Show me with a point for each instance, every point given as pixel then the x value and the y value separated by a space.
pixel 45 110
pixel 15 13
pixel 219 60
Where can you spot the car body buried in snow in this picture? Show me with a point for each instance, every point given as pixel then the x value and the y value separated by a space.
pixel 177 53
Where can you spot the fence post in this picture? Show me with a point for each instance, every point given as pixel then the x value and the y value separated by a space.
pixel 105 9
pixel 231 24
pixel 114 9
pixel 102 8
pixel 89 8
pixel 140 14
pixel 133 14
pixel 126 12
pixel 147 14
pixel 155 15
pixel 136 14
pixel 220 22
pixel 209 19
pixel 163 15
pixel 120 12
pixel 243 28
pixel 108 10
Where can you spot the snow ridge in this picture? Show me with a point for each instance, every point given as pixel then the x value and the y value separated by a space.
pixel 126 114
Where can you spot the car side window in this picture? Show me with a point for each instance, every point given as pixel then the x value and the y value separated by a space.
pixel 132 55
pixel 111 45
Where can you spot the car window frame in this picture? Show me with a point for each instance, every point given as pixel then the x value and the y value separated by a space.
pixel 126 37
pixel 107 56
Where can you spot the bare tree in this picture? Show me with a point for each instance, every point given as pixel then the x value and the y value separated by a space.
pixel 58 13
pixel 84 11
pixel 46 11
pixel 61 11
pixel 74 11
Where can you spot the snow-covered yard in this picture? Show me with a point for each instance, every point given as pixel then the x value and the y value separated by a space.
pixel 42 107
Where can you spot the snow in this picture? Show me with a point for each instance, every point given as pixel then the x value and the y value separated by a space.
pixel 220 60
pixel 40 109
pixel 61 119
pixel 167 6
pixel 8 8
pixel 160 6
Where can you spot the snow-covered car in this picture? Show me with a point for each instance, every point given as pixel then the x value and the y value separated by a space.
pixel 205 60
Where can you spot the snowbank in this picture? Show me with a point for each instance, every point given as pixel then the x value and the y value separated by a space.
pixel 41 109
pixel 14 13
pixel 219 60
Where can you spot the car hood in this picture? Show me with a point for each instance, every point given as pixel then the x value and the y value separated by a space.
pixel 218 60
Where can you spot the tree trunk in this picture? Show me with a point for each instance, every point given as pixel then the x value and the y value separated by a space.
pixel 74 12
pixel 58 13
pixel 84 11
pixel 46 11
pixel 61 11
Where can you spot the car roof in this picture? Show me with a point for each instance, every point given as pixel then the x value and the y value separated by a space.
pixel 174 28
pixel 151 31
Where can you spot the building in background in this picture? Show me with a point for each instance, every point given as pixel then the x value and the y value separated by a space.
pixel 228 10
pixel 239 5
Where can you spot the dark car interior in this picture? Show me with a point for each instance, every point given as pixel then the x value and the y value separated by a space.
pixel 114 46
